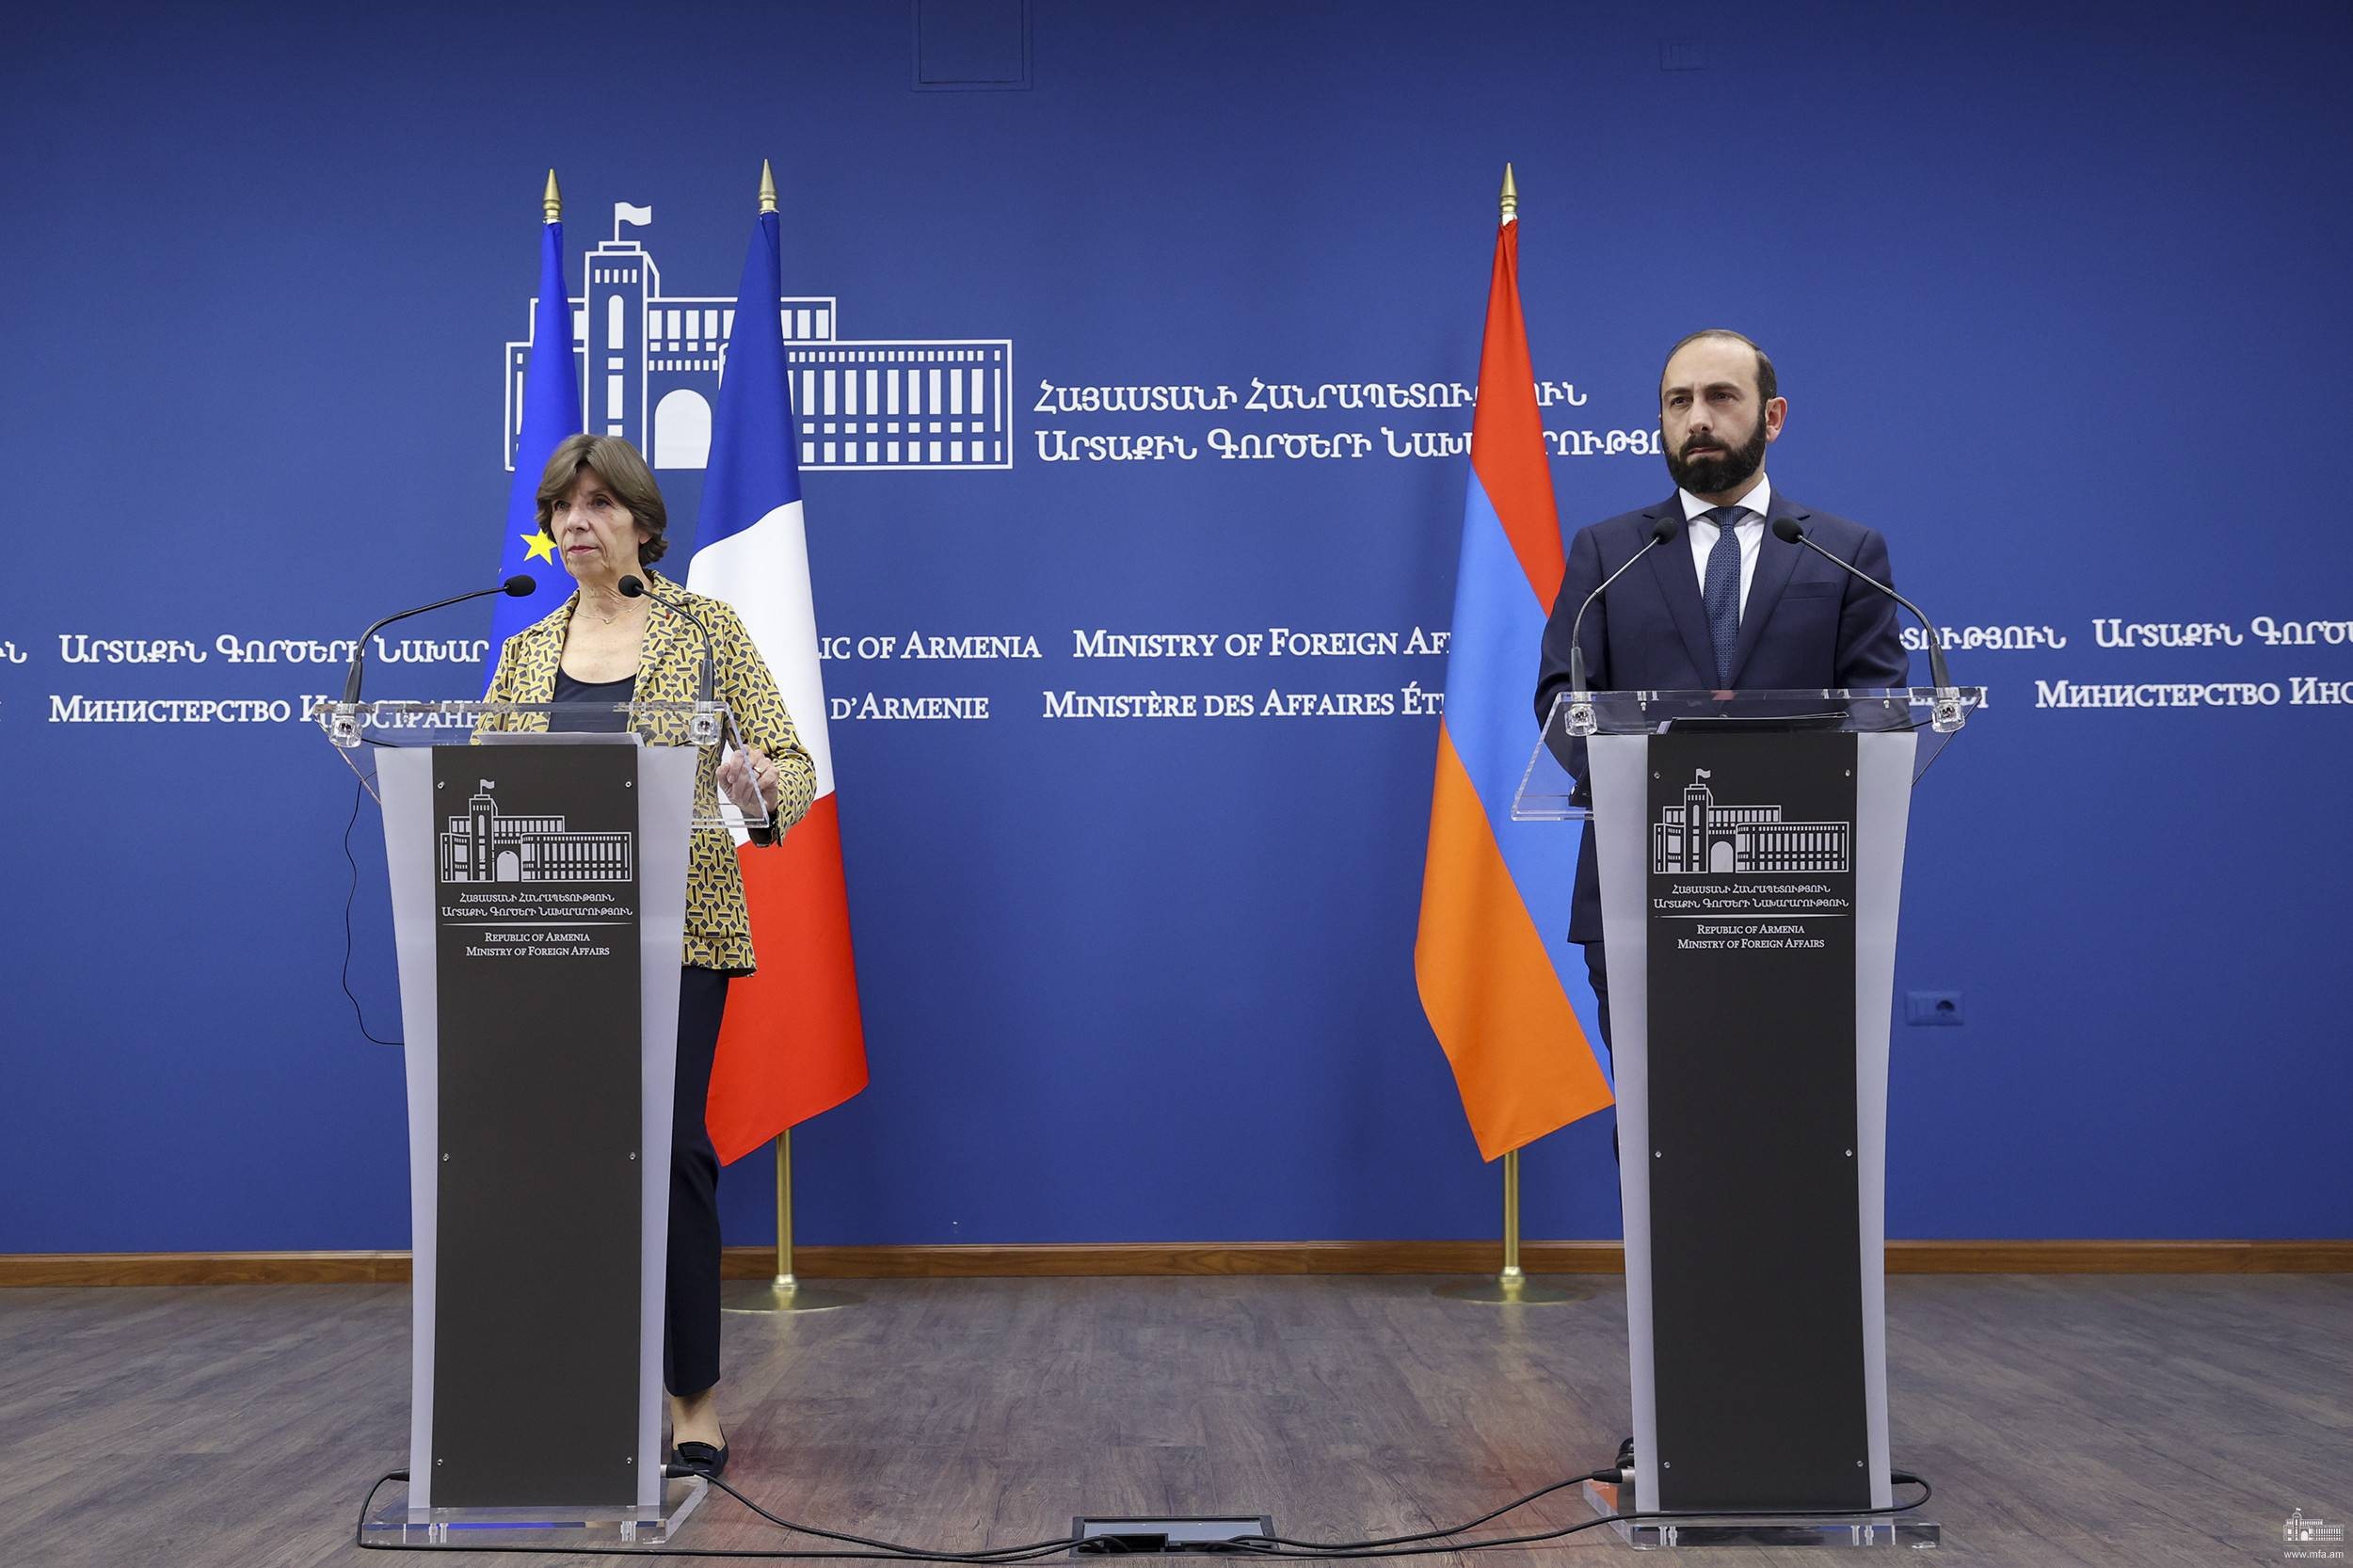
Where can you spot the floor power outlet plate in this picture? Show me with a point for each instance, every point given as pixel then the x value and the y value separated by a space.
pixel 1167 1537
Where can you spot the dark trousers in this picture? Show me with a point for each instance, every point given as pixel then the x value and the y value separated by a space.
pixel 690 1336
pixel 1597 970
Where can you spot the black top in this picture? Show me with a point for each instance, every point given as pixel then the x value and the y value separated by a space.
pixel 569 690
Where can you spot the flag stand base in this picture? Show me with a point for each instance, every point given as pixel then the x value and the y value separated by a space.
pixel 785 1292
pixel 1512 1287
pixel 1515 1289
pixel 786 1296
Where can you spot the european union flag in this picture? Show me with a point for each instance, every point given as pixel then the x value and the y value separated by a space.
pixel 551 412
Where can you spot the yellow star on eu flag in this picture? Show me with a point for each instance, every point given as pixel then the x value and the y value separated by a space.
pixel 539 547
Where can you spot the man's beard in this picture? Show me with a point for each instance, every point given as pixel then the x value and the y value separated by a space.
pixel 1714 472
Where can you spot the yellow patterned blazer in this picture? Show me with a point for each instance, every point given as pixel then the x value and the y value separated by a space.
pixel 669 667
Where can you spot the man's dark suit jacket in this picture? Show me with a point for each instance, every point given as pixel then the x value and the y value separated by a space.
pixel 1806 624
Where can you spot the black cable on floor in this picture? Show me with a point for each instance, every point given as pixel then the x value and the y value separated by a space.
pixel 994 1555
pixel 1302 1551
pixel 1308 1551
pixel 991 1554
pixel 1425 1535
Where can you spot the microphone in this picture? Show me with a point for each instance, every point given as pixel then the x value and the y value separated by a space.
pixel 703 729
pixel 1787 532
pixel 1661 531
pixel 518 587
pixel 633 587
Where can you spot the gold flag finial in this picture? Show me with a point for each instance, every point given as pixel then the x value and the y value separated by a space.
pixel 767 187
pixel 1511 197
pixel 552 200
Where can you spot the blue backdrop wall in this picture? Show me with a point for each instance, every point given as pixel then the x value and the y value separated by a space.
pixel 2058 295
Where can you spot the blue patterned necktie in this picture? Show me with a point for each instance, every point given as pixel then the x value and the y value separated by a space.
pixel 1723 591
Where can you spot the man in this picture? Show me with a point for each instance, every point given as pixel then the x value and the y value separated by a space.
pixel 1724 605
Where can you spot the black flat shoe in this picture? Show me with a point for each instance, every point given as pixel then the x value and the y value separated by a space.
pixel 700 1458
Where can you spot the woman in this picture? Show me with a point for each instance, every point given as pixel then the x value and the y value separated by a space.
pixel 599 505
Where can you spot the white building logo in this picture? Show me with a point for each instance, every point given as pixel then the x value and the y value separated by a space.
pixel 485 846
pixel 650 363
pixel 2311 1538
pixel 1699 838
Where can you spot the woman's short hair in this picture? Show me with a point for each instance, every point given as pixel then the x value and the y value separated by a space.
pixel 624 473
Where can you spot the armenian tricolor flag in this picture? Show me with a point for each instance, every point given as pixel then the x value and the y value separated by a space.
pixel 1490 959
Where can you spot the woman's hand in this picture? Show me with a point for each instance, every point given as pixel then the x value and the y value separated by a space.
pixel 750 780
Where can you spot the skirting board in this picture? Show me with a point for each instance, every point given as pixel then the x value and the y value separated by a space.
pixel 1209 1258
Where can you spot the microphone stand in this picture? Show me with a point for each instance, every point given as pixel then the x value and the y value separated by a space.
pixel 342 727
pixel 703 729
pixel 1581 722
pixel 1947 713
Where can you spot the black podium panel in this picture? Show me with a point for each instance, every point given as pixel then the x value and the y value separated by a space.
pixel 1753 1192
pixel 534 1381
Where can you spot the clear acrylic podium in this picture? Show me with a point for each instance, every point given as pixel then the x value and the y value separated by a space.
pixel 537 857
pixel 363 733
pixel 1750 849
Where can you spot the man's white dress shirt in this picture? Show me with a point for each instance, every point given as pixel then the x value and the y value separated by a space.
pixel 1750 531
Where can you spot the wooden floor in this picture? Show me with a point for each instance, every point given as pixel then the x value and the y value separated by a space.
pixel 2063 1419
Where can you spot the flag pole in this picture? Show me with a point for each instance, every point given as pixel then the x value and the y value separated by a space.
pixel 785 1292
pixel 1512 1285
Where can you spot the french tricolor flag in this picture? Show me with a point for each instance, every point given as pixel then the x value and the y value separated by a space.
pixel 1490 958
pixel 794 1042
